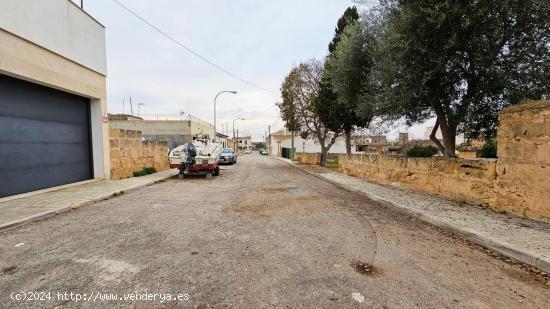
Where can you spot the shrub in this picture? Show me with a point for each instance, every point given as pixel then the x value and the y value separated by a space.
pixel 149 170
pixel 421 151
pixel 145 171
pixel 489 150
pixel 139 173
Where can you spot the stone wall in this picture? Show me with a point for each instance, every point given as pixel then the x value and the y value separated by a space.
pixel 313 158
pixel 518 182
pixel 129 153
pixel 523 185
pixel 461 180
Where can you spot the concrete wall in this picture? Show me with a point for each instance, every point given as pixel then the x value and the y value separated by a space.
pixel 58 26
pixel 174 132
pixel 22 58
pixel 130 154
pixel 523 168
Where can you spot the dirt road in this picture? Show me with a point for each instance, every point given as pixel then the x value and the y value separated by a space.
pixel 261 235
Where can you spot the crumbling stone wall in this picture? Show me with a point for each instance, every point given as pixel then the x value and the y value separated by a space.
pixel 129 153
pixel 461 180
pixel 518 182
pixel 523 185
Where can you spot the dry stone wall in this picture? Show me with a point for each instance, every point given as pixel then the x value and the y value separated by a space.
pixel 523 168
pixel 130 154
pixel 518 182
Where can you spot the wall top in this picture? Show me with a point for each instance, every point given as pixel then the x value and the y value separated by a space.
pixel 526 105
pixel 59 26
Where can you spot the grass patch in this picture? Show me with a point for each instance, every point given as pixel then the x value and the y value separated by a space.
pixel 332 164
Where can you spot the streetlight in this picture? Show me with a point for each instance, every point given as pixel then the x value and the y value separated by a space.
pixel 234 141
pixel 216 98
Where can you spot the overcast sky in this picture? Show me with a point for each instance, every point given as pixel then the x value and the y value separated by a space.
pixel 257 40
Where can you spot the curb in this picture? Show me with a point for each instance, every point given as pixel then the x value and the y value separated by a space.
pixel 51 213
pixel 483 241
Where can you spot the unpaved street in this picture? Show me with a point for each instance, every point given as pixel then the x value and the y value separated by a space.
pixel 261 235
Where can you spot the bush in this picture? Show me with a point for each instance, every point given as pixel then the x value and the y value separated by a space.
pixel 149 170
pixel 489 150
pixel 139 174
pixel 421 151
pixel 145 171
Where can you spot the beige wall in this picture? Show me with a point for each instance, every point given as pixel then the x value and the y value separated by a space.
pixel 59 26
pixel 523 185
pixel 154 127
pixel 518 182
pixel 461 180
pixel 22 59
pixel 129 154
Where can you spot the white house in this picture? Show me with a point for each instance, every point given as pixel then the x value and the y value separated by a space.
pixel 283 139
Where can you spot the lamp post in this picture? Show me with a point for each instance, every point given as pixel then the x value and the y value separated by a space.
pixel 234 141
pixel 215 99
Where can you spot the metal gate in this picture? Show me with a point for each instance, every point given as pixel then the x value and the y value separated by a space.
pixel 44 137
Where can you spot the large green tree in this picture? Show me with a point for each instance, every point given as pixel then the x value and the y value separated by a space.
pixel 461 61
pixel 338 111
pixel 348 72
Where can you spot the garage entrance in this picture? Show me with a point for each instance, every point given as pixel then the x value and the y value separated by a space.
pixel 44 137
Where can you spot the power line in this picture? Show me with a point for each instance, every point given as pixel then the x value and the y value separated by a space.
pixel 189 49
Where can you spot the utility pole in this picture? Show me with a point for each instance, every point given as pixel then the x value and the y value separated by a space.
pixel 131 107
pixel 82 4
pixel 237 141
pixel 122 106
pixel 269 132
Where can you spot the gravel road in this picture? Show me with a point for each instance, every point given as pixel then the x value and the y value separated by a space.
pixel 261 235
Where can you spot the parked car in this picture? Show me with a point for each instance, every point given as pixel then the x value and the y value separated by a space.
pixel 263 152
pixel 248 151
pixel 228 156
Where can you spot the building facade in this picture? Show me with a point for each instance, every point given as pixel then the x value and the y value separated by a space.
pixel 174 132
pixel 283 139
pixel 53 109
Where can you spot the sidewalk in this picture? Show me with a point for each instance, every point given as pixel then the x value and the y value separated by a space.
pixel 19 211
pixel 520 239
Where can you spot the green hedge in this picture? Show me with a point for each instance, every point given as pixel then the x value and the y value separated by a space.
pixel 421 151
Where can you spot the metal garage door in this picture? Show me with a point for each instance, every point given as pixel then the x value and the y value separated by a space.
pixel 44 137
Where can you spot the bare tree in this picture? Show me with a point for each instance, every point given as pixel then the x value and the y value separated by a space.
pixel 300 91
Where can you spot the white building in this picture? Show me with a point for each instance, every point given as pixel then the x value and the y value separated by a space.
pixel 283 139
pixel 53 111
